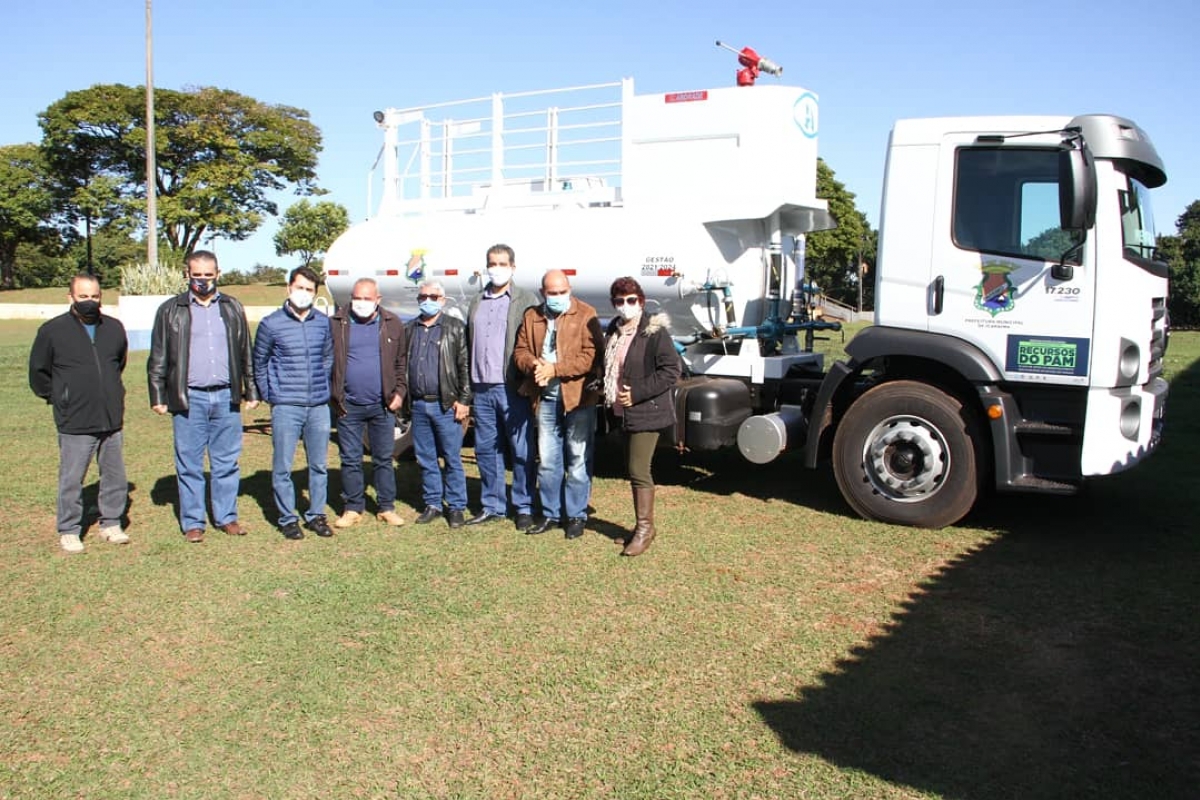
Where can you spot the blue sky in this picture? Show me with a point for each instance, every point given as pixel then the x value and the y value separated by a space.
pixel 870 62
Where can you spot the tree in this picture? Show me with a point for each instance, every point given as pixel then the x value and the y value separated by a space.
pixel 218 156
pixel 26 204
pixel 310 228
pixel 1182 254
pixel 832 257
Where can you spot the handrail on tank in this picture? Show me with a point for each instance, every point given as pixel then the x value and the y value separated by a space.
pixel 505 157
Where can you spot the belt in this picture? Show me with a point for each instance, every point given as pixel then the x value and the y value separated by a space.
pixel 430 398
pixel 215 388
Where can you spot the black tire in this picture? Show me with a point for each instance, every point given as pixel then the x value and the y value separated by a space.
pixel 909 454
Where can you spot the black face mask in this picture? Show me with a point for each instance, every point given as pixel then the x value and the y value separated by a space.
pixel 87 310
pixel 203 287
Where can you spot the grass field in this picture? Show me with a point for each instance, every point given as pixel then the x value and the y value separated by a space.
pixel 769 645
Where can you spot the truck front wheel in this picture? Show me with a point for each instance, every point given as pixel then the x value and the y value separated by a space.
pixel 908 453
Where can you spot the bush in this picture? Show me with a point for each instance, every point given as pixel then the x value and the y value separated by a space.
pixel 150 279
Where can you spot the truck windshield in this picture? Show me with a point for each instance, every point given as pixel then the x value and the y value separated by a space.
pixel 1137 221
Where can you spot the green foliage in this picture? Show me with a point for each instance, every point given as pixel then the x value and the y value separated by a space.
pixel 111 247
pixel 309 229
pixel 1050 244
pixel 832 257
pixel 219 155
pixel 149 279
pixel 40 265
pixel 1182 254
pixel 26 203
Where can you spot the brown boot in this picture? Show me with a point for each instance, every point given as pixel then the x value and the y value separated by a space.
pixel 643 534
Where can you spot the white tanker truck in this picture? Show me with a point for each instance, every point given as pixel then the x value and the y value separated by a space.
pixel 1020 317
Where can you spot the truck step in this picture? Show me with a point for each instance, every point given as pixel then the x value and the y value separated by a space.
pixel 1038 428
pixel 1031 483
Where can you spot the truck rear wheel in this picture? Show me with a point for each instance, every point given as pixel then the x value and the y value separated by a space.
pixel 907 453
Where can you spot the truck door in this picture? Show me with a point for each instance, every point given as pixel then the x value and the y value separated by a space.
pixel 994 260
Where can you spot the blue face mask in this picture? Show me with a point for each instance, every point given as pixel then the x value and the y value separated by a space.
pixel 558 303
pixel 429 308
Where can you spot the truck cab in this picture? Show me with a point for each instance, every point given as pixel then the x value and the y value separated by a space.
pixel 1017 271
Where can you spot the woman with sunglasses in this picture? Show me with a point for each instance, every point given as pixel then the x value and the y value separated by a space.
pixel 640 367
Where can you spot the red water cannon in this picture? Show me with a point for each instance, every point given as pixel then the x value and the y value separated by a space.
pixel 752 64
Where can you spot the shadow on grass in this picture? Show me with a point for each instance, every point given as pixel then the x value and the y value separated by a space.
pixel 1060 659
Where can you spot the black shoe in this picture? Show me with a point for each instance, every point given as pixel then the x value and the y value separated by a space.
pixel 543 526
pixel 575 528
pixel 484 517
pixel 430 514
pixel 524 522
pixel 454 518
pixel 292 531
pixel 320 526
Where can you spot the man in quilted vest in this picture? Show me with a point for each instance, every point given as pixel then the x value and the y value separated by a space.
pixel 293 356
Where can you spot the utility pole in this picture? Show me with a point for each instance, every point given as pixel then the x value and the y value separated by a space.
pixel 151 193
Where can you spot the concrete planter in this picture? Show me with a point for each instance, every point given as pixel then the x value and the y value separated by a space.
pixel 137 315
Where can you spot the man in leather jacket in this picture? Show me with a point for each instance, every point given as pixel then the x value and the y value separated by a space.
pixel 439 383
pixel 200 371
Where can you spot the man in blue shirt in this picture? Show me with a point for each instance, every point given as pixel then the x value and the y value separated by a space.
pixel 199 370
pixel 498 408
pixel 369 383
pixel 293 355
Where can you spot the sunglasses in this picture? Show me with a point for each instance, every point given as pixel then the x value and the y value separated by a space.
pixel 632 300
pixel 421 298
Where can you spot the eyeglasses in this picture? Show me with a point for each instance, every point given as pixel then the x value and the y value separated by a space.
pixel 421 298
pixel 631 300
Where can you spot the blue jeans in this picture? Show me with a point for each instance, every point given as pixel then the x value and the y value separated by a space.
pixel 500 412
pixel 564 448
pixel 212 423
pixel 437 435
pixel 75 454
pixel 290 424
pixel 380 426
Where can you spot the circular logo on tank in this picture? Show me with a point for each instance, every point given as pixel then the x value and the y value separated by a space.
pixel 805 114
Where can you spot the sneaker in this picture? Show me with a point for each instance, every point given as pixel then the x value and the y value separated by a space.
pixel 320 526
pixel 292 531
pixel 348 519
pixel 575 527
pixel 454 518
pixel 71 543
pixel 114 535
pixel 391 518
pixel 429 515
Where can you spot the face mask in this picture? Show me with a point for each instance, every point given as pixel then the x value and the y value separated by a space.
pixel 203 287
pixel 558 303
pixel 499 276
pixel 300 299
pixel 87 310
pixel 628 312
pixel 363 309
pixel 429 308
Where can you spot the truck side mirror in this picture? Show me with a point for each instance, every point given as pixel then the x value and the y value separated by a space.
pixel 1076 187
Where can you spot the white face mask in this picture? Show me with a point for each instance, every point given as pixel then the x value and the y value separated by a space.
pixel 363 309
pixel 629 312
pixel 300 299
pixel 499 276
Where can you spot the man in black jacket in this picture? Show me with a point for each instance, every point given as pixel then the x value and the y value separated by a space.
pixel 76 365
pixel 439 381
pixel 200 370
pixel 369 383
